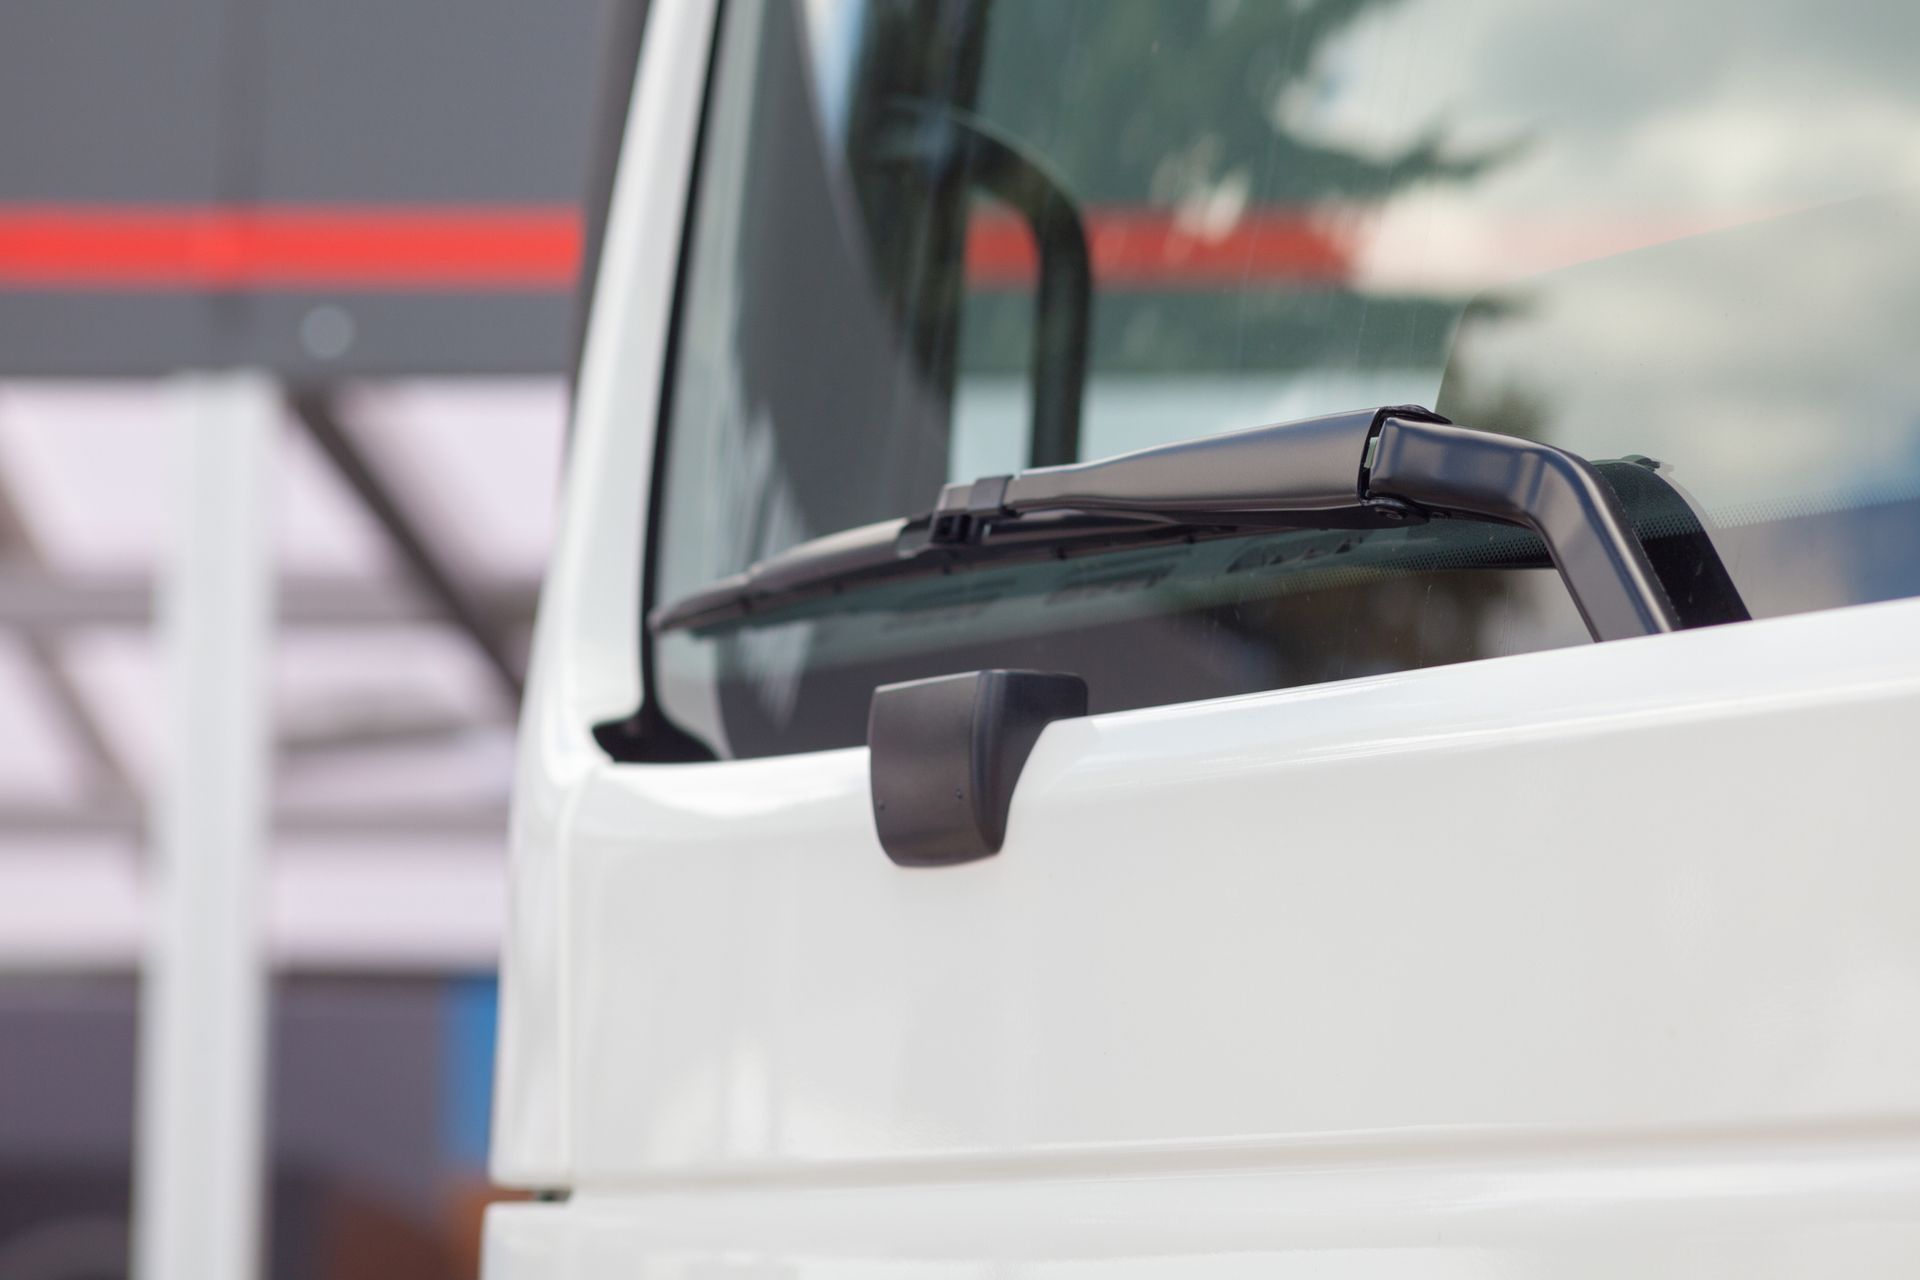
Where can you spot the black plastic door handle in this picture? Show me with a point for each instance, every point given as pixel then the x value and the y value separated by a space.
pixel 947 753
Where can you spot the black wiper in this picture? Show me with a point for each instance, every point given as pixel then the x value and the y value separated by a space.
pixel 1376 468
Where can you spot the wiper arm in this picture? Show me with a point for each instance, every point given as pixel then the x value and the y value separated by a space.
pixel 1375 468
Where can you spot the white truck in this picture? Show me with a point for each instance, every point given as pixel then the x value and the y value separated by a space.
pixel 992 803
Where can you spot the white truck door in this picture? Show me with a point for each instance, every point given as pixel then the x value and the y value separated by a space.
pixel 1375 920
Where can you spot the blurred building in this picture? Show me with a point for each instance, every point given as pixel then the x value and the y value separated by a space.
pixel 384 207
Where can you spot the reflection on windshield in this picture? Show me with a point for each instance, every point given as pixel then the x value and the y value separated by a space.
pixel 1797 427
pixel 1530 216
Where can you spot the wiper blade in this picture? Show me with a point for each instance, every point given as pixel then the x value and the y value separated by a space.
pixel 1375 468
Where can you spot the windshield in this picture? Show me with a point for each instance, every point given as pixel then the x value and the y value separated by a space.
pixel 1534 218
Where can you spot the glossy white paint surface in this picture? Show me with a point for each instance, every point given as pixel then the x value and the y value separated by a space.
pixel 1650 884
pixel 1589 962
pixel 582 668
pixel 1802 1204
pixel 1592 962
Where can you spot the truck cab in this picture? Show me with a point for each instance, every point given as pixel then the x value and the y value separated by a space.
pixel 1235 638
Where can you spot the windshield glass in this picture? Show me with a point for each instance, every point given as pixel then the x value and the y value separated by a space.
pixel 937 239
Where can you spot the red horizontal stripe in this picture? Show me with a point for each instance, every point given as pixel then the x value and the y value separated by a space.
pixel 538 247
pixel 1152 247
pixel 381 247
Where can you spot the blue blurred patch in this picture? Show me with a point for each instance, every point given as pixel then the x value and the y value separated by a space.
pixel 470 1018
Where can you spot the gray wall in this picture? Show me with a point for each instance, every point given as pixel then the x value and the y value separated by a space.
pixel 239 102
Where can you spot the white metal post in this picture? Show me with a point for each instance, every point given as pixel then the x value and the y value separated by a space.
pixel 197 1171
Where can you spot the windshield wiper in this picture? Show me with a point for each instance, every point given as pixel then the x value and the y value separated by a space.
pixel 1370 469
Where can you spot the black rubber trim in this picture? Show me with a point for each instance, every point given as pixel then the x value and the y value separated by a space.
pixel 1677 544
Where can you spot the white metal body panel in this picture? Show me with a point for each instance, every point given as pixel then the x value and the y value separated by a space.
pixel 1582 962
pixel 1803 1205
pixel 1656 883
pixel 582 669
